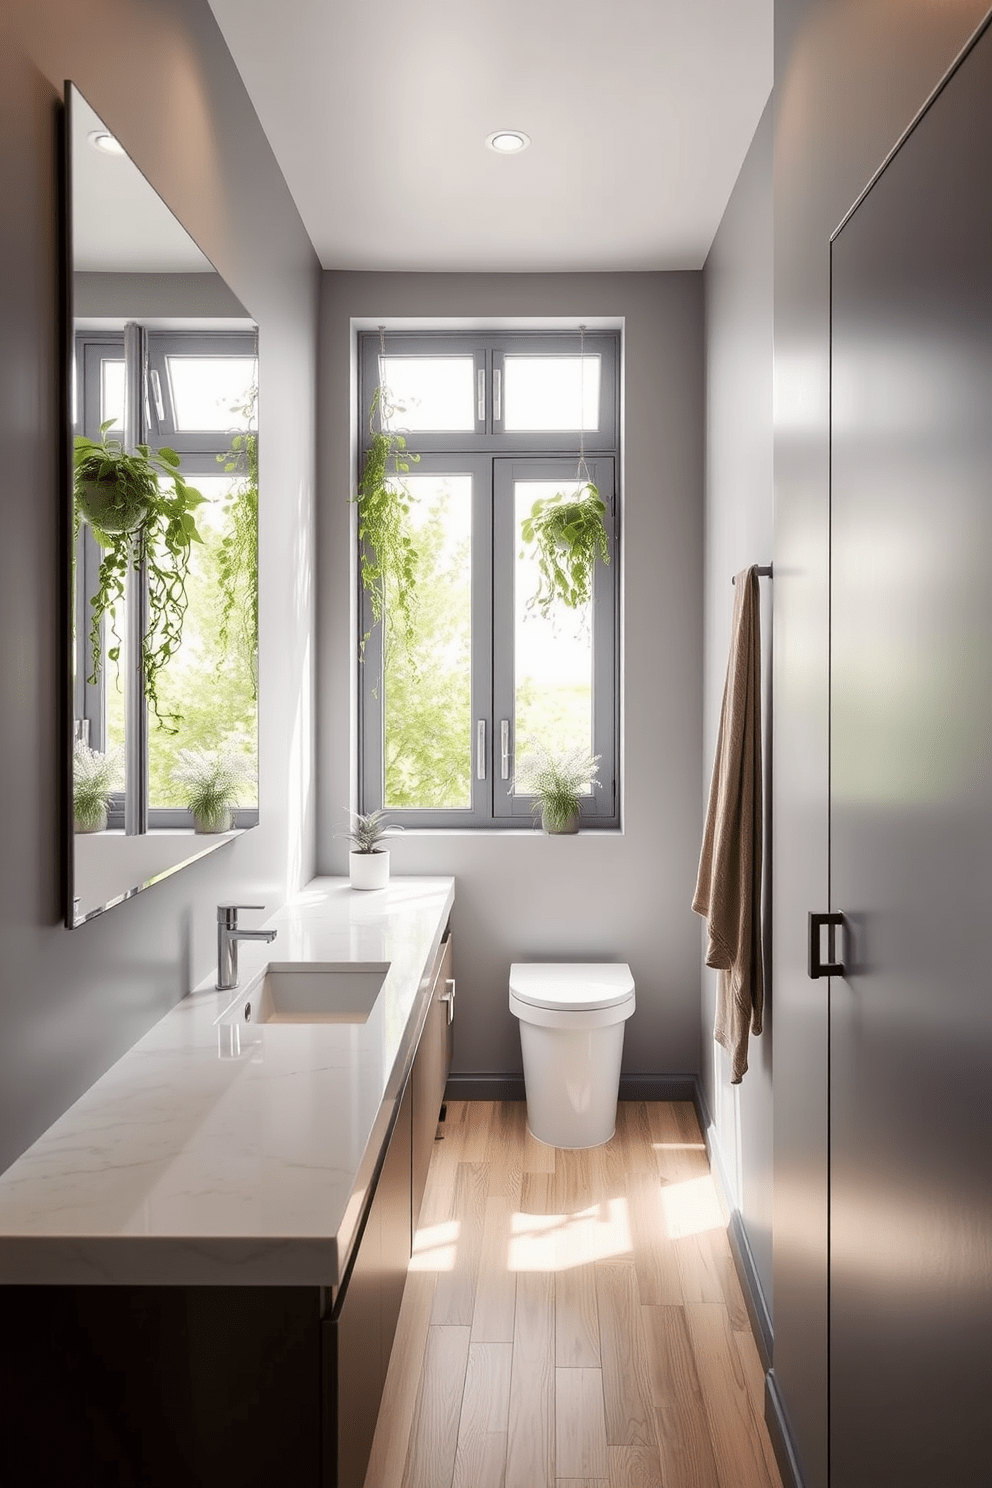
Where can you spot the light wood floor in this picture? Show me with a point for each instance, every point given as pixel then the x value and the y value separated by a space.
pixel 572 1319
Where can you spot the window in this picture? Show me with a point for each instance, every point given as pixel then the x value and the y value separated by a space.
pixel 197 396
pixel 493 422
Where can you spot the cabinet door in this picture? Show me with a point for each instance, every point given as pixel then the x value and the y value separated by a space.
pixel 359 1337
pixel 430 1075
pixel 911 808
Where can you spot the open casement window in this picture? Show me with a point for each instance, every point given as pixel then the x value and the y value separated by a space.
pixel 197 390
pixel 495 421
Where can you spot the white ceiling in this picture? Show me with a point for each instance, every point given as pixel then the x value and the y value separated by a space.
pixel 640 114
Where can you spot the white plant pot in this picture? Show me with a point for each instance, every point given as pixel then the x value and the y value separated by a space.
pixel 369 870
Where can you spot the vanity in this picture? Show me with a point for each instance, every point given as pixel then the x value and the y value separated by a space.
pixel 203 1260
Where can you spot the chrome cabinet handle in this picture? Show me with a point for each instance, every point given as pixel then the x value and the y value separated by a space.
pixel 449 998
pixel 480 749
pixel 504 749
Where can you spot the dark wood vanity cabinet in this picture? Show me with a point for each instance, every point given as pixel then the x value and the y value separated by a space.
pixel 156 1386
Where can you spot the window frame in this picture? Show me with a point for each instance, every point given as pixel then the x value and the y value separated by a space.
pixel 496 458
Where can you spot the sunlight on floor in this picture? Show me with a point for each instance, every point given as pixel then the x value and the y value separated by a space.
pixel 557 1242
pixel 435 1247
pixel 691 1207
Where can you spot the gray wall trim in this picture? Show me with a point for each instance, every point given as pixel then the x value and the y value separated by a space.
pixel 754 1297
pixel 781 1438
pixel 740 1246
pixel 511 1087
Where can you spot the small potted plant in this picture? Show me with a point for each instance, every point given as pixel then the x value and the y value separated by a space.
pixel 95 777
pixel 557 780
pixel 209 780
pixel 368 863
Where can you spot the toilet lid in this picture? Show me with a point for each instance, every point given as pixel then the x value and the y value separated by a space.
pixel 571 985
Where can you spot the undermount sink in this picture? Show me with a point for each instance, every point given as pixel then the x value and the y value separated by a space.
pixel 310 992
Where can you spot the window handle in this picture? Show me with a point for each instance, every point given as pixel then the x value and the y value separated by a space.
pixel 481 394
pixel 504 749
pixel 497 394
pixel 157 394
pixel 480 749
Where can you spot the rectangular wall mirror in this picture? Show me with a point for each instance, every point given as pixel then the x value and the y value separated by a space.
pixel 162 484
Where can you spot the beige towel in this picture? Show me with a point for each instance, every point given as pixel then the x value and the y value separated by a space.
pixel 728 887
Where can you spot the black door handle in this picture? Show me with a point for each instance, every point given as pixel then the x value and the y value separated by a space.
pixel 818 968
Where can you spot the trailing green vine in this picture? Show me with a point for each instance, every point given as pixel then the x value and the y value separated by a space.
pixel 389 554
pixel 139 524
pixel 569 533
pixel 238 562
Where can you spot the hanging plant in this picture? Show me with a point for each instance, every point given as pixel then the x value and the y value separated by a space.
pixel 389 554
pixel 139 524
pixel 238 563
pixel 568 532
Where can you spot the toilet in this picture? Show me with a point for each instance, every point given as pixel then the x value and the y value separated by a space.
pixel 571 1035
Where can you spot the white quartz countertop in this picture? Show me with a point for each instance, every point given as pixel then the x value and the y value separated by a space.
pixel 195 1162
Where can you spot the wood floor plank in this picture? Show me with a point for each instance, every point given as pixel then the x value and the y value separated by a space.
pixel 626 1371
pixel 530 1432
pixel 399 1396
pixel 576 1307
pixel 434 1438
pixel 537 1156
pixel 480 1459
pixel 754 1374
pixel 733 1429
pixel 681 1423
pixel 636 1466
pixel 476 1132
pixel 580 1424
pixel 454 1296
pixel 658 1280
pixel 677 1140
pixel 505 1148
pixel 496 1292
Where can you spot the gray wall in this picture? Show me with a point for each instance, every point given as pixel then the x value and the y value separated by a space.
pixel 521 894
pixel 849 77
pixel 739 516
pixel 71 1001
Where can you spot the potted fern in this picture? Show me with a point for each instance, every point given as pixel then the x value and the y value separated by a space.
pixel 557 779
pixel 208 780
pixel 139 524
pixel 95 777
pixel 368 863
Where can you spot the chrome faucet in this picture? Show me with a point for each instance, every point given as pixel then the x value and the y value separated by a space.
pixel 228 936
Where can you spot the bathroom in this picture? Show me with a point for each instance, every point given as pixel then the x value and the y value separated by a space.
pixel 699 441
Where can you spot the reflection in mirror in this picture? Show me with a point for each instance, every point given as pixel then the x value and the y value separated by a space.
pixel 163 481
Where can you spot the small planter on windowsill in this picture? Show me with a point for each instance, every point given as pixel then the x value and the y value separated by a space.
pixel 94 777
pixel 368 863
pixel 557 780
pixel 208 780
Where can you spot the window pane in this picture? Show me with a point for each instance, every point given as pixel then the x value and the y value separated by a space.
pixel 112 394
pixel 430 392
pixel 211 392
pixel 428 689
pixel 552 661
pixel 209 682
pixel 551 392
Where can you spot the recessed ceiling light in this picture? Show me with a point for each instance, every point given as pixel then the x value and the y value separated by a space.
pixel 508 141
pixel 105 142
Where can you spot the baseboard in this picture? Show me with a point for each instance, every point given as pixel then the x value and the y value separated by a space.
pixel 740 1246
pixel 511 1087
pixel 754 1297
pixel 778 1429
